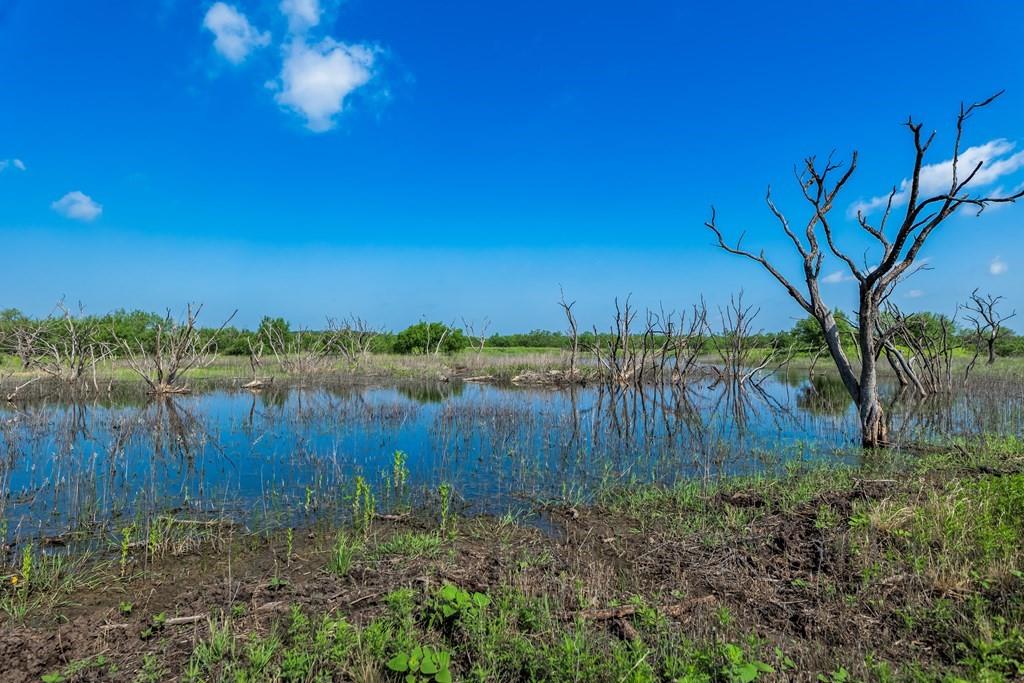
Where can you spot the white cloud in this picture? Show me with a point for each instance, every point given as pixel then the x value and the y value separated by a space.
pixel 995 157
pixel 234 36
pixel 302 14
pixel 316 79
pixel 998 266
pixel 77 205
pixel 836 277
pixel 915 294
pixel 16 163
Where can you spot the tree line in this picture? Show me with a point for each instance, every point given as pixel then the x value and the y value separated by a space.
pixel 424 337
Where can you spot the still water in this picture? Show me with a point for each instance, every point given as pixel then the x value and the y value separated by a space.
pixel 291 455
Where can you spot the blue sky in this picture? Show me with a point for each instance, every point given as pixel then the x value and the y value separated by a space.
pixel 465 159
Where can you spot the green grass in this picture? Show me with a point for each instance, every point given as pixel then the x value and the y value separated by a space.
pixel 410 544
pixel 44 583
pixel 959 537
pixel 343 554
pixel 505 637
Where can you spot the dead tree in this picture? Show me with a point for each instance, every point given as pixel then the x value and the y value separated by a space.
pixel 351 337
pixel 303 352
pixel 821 185
pixel 179 346
pixel 66 346
pixel 479 337
pixel 23 341
pixel 12 395
pixel 735 345
pixel 932 347
pixel 446 331
pixel 616 353
pixel 689 342
pixel 987 321
pixel 574 336
pixel 256 349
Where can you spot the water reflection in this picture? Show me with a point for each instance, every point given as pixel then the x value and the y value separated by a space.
pixel 273 456
pixel 824 395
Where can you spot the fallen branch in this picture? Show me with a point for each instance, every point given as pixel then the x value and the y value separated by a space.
pixel 181 621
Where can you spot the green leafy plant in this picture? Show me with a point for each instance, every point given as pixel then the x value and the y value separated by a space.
pixel 399 477
pixel 840 675
pixel 127 535
pixel 739 668
pixel 156 624
pixel 422 663
pixel 363 506
pixel 452 603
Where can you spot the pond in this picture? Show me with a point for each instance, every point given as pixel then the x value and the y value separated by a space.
pixel 291 455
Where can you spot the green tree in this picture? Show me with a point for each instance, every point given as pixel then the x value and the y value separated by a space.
pixel 275 330
pixel 424 337
pixel 808 336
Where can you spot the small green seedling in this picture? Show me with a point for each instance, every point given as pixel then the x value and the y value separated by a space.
pixel 423 663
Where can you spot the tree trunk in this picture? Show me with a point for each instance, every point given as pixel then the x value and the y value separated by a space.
pixel 991 351
pixel 873 428
pixel 835 349
pixel 874 431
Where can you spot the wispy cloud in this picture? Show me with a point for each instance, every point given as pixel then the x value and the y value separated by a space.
pixel 316 79
pixel 915 293
pixel 302 14
pixel 234 36
pixel 77 205
pixel 16 163
pixel 998 266
pixel 995 156
pixel 836 277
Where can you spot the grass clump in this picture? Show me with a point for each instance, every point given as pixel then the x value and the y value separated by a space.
pixel 343 554
pixel 409 544
pixel 45 582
